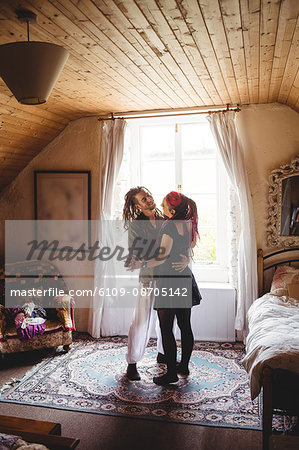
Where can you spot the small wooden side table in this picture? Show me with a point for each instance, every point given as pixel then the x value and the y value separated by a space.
pixel 283 442
pixel 18 424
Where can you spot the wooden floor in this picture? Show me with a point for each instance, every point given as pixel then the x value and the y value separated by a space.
pixel 100 432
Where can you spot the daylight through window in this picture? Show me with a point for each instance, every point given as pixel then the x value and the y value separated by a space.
pixel 168 154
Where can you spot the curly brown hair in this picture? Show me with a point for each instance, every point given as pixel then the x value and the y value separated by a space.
pixel 130 211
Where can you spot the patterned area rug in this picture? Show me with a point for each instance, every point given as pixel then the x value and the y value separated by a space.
pixel 90 378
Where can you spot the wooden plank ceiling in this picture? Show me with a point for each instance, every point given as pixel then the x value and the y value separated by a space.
pixel 149 54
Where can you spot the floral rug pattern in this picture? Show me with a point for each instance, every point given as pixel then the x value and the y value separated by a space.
pixel 91 378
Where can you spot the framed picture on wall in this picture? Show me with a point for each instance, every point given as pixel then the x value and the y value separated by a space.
pixel 62 202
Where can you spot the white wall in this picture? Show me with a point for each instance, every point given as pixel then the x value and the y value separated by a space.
pixel 270 138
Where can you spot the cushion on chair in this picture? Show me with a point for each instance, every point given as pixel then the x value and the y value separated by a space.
pixel 3 320
pixel 60 315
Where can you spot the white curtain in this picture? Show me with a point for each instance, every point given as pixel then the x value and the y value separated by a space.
pixel 223 127
pixel 111 154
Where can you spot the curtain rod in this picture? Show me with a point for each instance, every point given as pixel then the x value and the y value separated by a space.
pixel 174 114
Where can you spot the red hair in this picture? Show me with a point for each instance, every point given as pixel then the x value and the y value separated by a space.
pixel 185 209
pixel 173 198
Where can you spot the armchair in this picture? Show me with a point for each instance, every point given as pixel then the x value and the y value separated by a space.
pixel 60 316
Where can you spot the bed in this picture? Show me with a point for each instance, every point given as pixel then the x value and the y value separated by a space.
pixel 272 345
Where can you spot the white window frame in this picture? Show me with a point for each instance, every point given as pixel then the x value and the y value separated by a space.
pixel 217 272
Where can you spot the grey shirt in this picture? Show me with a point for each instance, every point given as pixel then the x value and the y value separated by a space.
pixel 142 240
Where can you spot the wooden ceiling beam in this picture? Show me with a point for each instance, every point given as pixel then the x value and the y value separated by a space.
pixel 136 55
pixel 291 67
pixel 214 22
pixel 285 33
pixel 268 30
pixel 250 18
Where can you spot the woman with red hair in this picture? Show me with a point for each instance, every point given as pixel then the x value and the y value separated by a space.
pixel 173 297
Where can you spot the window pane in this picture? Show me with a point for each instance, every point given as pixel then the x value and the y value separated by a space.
pixel 199 176
pixel 197 141
pixel 164 158
pixel 207 209
pixel 205 250
pixel 157 142
pixel 158 176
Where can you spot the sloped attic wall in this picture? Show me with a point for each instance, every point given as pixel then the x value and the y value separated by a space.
pixel 76 148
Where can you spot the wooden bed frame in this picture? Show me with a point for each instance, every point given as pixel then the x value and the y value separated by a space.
pixel 280 387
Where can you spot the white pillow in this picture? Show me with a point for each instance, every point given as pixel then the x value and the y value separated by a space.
pixel 283 276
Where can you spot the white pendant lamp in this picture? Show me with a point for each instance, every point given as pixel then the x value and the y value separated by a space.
pixel 30 69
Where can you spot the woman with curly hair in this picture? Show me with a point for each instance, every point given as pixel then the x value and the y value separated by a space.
pixel 178 235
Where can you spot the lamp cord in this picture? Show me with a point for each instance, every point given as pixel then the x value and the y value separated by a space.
pixel 27 30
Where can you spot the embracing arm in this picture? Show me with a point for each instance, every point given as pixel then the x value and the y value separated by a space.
pixel 181 265
pixel 166 246
pixel 133 238
pixel 134 232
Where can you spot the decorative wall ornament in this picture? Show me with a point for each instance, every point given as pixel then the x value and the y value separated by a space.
pixel 282 211
pixel 62 202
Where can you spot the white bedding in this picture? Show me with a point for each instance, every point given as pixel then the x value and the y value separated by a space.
pixel 273 338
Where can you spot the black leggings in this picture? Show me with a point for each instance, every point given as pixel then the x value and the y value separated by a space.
pixel 166 319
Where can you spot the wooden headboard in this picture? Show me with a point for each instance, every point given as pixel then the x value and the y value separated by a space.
pixel 287 256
